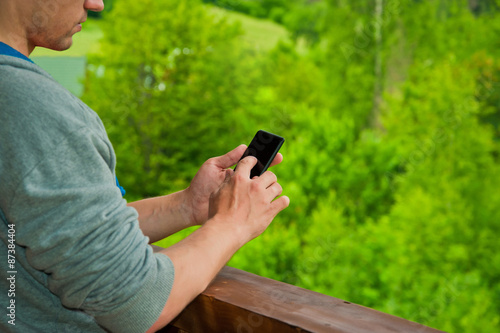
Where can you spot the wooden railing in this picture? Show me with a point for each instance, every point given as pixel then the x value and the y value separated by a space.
pixel 241 302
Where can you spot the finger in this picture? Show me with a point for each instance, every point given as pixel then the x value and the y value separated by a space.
pixel 277 160
pixel 274 191
pixel 267 179
pixel 279 204
pixel 231 158
pixel 245 166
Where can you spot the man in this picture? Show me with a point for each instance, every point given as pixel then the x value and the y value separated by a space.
pixel 75 255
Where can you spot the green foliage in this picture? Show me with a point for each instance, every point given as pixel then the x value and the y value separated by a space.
pixel 302 20
pixel 108 6
pixel 393 171
pixel 273 9
pixel 166 89
pixel 444 204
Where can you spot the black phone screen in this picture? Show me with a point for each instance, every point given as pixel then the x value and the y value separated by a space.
pixel 264 147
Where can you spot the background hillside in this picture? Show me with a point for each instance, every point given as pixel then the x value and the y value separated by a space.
pixel 390 110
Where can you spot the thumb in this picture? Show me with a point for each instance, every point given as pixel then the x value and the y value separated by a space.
pixel 231 158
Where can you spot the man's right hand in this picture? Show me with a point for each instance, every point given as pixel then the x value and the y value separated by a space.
pixel 240 210
pixel 247 205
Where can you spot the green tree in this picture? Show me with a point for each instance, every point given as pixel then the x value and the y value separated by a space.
pixel 391 156
pixel 168 91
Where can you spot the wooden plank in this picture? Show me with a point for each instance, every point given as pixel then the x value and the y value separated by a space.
pixel 241 302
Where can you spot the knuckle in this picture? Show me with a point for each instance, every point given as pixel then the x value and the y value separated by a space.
pixel 254 185
pixel 238 177
pixel 271 175
pixel 279 188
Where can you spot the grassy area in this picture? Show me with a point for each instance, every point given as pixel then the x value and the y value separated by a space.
pixel 261 34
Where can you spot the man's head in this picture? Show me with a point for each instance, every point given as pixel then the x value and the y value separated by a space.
pixel 25 24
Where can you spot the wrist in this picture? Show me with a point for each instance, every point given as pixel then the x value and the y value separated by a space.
pixel 229 229
pixel 187 207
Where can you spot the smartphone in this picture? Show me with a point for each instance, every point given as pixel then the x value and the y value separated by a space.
pixel 264 147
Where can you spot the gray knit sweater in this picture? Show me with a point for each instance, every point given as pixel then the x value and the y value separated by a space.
pixel 81 263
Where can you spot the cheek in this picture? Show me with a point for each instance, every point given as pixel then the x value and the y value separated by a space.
pixel 51 16
pixel 40 20
pixel 46 12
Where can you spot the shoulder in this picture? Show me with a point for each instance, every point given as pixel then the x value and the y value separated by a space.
pixel 37 115
pixel 31 97
pixel 36 108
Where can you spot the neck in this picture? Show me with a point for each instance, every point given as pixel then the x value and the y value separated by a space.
pixel 21 45
pixel 12 31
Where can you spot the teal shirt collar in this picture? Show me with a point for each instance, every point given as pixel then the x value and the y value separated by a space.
pixel 10 51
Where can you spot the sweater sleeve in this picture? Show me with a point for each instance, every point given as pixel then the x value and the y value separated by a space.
pixel 77 229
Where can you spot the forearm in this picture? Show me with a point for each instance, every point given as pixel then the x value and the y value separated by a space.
pixel 163 216
pixel 197 259
pixel 241 210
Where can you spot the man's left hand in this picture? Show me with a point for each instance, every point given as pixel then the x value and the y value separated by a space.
pixel 209 178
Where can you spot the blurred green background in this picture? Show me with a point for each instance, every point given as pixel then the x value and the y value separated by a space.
pixel 391 112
